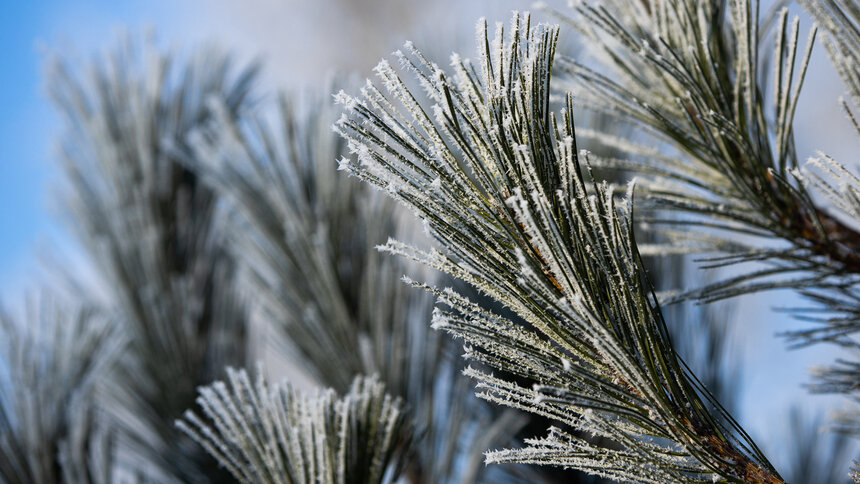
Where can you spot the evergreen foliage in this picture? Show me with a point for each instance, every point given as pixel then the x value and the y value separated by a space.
pixel 275 434
pixel 695 76
pixel 500 183
pixel 307 236
pixel 213 219
pixel 151 226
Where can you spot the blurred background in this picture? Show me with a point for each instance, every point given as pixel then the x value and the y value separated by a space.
pixel 302 45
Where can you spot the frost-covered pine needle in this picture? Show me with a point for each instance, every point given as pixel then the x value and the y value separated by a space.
pixel 498 180
pixel 721 88
pixel 275 434
pixel 692 76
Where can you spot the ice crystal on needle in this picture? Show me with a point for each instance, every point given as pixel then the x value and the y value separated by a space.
pixel 275 434
pixel 518 218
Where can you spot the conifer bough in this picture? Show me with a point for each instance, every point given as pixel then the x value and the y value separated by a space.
pixel 695 78
pixel 306 236
pixel 276 434
pixel 498 180
pixel 152 228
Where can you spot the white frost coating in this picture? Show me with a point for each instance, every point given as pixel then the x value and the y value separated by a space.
pixel 631 188
pixel 438 113
pixel 455 59
pixel 349 103
pixel 343 164
pixel 438 321
pixel 243 438
pixel 364 156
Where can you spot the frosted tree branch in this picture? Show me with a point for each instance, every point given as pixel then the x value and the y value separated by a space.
pixel 275 434
pixel 498 179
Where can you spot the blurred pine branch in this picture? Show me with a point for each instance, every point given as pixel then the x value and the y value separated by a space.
pixel 151 227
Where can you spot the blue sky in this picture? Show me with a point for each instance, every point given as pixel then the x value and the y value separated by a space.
pixel 25 124
pixel 295 41
pixel 29 31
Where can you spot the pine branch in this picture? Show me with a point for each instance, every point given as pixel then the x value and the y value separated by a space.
pixel 695 76
pixel 498 181
pixel 151 227
pixel 275 434
pixel 52 364
pixel 307 237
